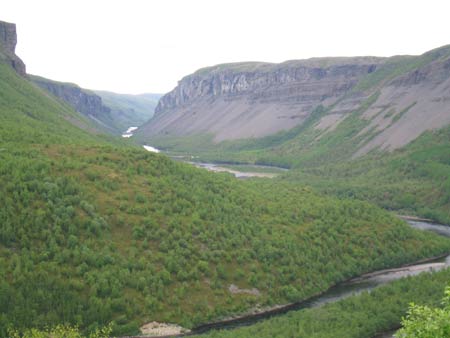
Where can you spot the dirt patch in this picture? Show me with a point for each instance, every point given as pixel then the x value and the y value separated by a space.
pixel 162 329
pixel 234 289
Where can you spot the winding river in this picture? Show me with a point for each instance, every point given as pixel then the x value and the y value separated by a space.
pixel 349 288
pixel 352 287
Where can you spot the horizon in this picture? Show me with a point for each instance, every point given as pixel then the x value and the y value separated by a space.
pixel 138 47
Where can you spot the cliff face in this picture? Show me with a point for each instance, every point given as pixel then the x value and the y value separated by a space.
pixel 8 41
pixel 293 81
pixel 87 103
pixel 113 112
pixel 83 101
pixel 253 100
pixel 247 100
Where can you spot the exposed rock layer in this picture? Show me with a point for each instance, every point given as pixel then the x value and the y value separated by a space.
pixel 255 99
pixel 247 100
pixel 85 102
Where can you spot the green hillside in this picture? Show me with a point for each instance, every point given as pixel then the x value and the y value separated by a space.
pixel 93 230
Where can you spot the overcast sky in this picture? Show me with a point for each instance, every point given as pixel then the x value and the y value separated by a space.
pixel 136 46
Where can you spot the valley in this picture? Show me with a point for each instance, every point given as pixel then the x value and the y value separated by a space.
pixel 260 199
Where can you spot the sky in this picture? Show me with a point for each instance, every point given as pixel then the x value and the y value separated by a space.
pixel 137 46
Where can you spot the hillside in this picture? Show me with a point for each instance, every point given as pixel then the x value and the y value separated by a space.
pixel 129 110
pixel 94 230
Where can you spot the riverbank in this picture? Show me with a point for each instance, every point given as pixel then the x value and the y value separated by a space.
pixel 342 290
pixel 339 291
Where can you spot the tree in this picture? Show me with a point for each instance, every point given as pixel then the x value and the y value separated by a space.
pixel 425 322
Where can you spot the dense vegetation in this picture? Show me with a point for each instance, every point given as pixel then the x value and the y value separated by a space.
pixel 93 230
pixel 360 316
pixel 59 331
pixel 423 321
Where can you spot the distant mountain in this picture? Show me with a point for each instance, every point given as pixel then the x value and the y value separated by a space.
pixel 129 110
pixel 393 101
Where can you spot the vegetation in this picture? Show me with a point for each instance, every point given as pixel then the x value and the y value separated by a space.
pixel 59 331
pixel 93 230
pixel 364 315
pixel 423 321
pixel 413 180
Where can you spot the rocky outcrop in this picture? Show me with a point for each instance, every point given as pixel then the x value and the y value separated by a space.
pixel 247 100
pixel 83 101
pixel 312 79
pixel 8 41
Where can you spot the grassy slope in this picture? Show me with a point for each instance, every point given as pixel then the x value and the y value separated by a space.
pixel 129 110
pixel 92 230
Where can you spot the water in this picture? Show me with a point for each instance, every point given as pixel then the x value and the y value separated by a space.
pixel 238 174
pixel 129 132
pixel 440 229
pixel 152 149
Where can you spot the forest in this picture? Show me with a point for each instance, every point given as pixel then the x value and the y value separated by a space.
pixel 94 230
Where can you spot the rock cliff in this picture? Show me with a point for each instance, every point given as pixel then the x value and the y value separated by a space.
pixel 83 101
pixel 8 41
pixel 254 99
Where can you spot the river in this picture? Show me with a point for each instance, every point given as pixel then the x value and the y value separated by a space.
pixel 344 290
pixel 260 170
pixel 129 133
pixel 350 288
pixel 265 170
pixel 247 171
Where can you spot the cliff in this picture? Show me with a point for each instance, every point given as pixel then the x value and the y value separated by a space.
pixel 113 112
pixel 247 100
pixel 83 101
pixel 396 99
pixel 8 42
pixel 309 80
